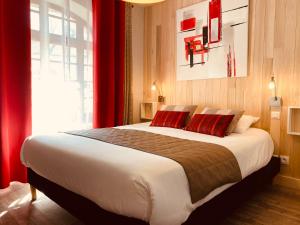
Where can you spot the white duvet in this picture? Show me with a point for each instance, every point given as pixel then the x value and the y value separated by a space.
pixel 131 182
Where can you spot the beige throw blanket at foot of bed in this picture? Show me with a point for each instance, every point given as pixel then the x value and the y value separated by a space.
pixel 207 166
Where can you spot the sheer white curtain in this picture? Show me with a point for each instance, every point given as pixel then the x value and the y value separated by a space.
pixel 61 64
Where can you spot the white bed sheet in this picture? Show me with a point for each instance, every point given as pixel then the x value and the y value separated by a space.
pixel 131 182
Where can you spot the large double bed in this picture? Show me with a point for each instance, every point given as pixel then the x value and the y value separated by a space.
pixel 88 177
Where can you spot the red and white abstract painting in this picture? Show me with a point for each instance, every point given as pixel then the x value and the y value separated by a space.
pixel 212 40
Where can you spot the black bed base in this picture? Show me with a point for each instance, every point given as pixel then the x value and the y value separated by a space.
pixel 209 213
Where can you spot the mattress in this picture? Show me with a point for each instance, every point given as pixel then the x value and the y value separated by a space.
pixel 134 183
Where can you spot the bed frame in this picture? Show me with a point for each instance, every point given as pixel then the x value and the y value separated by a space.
pixel 209 213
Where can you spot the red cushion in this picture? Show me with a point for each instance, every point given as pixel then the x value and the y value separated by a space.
pixel 211 124
pixel 173 119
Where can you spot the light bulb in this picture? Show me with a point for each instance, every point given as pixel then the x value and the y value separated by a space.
pixel 153 87
pixel 272 85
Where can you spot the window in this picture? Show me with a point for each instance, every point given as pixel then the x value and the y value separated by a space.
pixel 61 52
pixel 35 16
pixel 55 21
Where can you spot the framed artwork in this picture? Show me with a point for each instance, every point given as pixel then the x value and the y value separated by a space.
pixel 212 40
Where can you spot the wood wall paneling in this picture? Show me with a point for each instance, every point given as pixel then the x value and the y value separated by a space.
pixel 138 62
pixel 274 46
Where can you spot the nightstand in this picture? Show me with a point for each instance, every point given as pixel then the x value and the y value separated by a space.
pixel 293 120
pixel 148 110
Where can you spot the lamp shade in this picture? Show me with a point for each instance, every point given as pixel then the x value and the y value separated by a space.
pixel 153 86
pixel 272 83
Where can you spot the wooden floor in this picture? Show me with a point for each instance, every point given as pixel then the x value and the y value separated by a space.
pixel 274 206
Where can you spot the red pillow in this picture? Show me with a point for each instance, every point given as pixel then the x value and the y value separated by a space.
pixel 173 119
pixel 211 124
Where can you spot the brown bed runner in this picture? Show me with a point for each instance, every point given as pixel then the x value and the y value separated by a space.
pixel 207 166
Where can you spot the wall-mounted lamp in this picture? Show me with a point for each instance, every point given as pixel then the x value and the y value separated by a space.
pixel 274 101
pixel 155 87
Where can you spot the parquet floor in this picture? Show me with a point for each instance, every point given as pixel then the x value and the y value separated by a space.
pixel 274 206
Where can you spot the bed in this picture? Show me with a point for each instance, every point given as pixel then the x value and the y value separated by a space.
pixel 141 188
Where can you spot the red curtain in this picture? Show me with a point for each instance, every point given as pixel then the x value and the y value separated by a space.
pixel 15 87
pixel 109 62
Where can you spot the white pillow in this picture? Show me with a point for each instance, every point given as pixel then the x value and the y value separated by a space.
pixel 245 123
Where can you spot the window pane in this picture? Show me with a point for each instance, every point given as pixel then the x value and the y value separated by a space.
pixel 88 105
pixel 35 20
pixel 88 102
pixel 55 52
pixel 36 69
pixel 73 30
pixel 88 90
pixel 54 12
pixel 73 72
pixel 85 56
pixel 73 55
pixel 87 36
pixel 88 73
pixel 88 109
pixel 35 49
pixel 55 26
pixel 88 57
pixel 85 33
pixel 55 70
pixel 34 7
